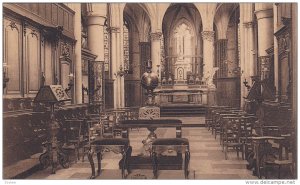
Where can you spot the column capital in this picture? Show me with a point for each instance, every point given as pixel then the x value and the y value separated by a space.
pixel 264 13
pixel 155 36
pixel 94 19
pixel 208 35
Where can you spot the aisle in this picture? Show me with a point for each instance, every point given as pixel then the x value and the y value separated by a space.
pixel 207 160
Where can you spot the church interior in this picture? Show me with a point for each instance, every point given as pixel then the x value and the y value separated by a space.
pixel 199 91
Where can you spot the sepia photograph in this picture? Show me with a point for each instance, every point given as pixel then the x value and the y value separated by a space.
pixel 150 91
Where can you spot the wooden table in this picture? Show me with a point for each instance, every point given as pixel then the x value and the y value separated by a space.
pixel 144 161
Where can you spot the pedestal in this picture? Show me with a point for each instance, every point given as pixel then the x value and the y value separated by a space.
pixel 211 97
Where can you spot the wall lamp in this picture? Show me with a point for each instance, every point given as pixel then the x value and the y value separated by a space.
pixel 122 72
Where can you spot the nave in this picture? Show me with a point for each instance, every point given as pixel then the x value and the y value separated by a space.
pixel 207 159
pixel 83 66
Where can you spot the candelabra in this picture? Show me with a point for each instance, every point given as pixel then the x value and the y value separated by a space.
pixel 122 72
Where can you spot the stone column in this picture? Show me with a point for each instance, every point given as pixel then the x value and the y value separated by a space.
pixel 96 39
pixel 208 57
pixel 77 62
pixel 115 32
pixel 248 61
pixel 250 55
pixel 276 52
pixel 247 53
pixel 155 52
pixel 264 14
pixel 121 81
pixel 209 69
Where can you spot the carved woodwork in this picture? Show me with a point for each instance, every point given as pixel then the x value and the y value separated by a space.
pixel 284 64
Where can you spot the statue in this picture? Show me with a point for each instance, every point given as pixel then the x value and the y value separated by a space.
pixel 209 77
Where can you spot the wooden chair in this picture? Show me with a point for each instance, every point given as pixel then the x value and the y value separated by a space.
pixel 218 120
pixel 247 128
pixel 95 129
pixel 232 137
pixel 225 118
pixel 76 135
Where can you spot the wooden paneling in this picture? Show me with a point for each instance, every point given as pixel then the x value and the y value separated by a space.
pixel 54 14
pixel 49 68
pixel 35 8
pixel 70 21
pixel 66 20
pixel 284 69
pixel 132 93
pixel 60 16
pixel 109 91
pixel 12 55
pixel 49 14
pixel 48 11
pixel 42 10
pixel 228 92
pixel 32 56
pixel 283 36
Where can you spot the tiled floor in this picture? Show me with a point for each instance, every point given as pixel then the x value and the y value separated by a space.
pixel 207 159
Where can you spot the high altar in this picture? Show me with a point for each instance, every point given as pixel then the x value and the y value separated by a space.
pixel 184 84
pixel 199 94
pixel 181 75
